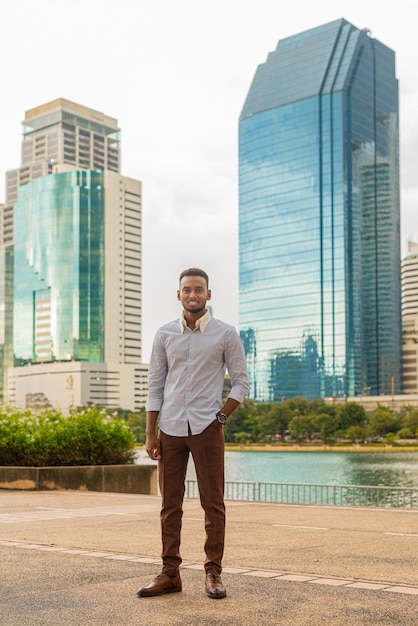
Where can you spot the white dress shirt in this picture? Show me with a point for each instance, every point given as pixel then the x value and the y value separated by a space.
pixel 186 373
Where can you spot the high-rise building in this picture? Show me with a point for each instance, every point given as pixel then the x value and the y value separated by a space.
pixel 409 273
pixel 61 134
pixel 319 218
pixel 73 226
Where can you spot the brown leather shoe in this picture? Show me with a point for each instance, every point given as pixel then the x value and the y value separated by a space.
pixel 162 584
pixel 214 587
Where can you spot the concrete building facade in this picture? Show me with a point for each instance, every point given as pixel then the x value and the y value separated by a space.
pixel 409 274
pixel 72 384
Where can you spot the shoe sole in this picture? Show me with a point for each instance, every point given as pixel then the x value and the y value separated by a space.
pixel 162 593
pixel 213 596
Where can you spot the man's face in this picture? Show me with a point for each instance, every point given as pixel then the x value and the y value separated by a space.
pixel 193 294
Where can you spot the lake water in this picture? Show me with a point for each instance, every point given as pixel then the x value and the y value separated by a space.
pixel 390 469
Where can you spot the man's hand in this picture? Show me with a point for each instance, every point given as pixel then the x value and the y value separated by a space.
pixel 152 443
pixel 153 448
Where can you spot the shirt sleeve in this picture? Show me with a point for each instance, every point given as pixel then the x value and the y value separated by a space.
pixel 157 375
pixel 236 365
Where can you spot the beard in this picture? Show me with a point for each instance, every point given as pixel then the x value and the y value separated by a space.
pixel 197 309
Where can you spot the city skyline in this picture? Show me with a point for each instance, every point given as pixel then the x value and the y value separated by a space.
pixel 176 85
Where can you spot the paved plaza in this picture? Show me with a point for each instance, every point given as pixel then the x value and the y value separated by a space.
pixel 77 558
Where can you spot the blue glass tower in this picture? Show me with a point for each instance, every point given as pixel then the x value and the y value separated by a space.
pixel 59 269
pixel 319 218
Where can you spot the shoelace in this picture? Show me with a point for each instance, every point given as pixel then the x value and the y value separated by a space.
pixel 215 577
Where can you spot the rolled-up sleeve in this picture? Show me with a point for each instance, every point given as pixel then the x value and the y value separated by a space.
pixel 237 366
pixel 157 375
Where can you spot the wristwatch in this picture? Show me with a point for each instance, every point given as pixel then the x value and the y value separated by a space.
pixel 221 417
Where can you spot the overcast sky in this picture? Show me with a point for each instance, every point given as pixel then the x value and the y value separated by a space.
pixel 175 75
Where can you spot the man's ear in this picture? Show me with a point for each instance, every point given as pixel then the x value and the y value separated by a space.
pixel 209 294
pixel 178 294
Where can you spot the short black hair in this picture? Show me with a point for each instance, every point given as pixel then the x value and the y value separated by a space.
pixel 194 271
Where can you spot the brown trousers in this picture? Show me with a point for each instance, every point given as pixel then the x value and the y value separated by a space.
pixel 208 452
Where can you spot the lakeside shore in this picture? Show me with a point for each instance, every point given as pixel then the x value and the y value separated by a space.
pixel 320 448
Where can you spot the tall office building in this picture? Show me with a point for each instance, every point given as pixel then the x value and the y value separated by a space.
pixel 319 218
pixel 72 224
pixel 409 272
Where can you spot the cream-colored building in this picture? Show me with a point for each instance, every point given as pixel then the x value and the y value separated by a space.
pixel 409 275
pixel 57 133
pixel 68 385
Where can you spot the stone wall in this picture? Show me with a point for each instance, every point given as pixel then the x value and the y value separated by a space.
pixel 112 478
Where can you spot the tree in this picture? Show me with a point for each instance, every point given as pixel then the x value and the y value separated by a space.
pixel 352 414
pixel 356 434
pixel 409 423
pixel 326 424
pixel 299 404
pixel 301 426
pixel 382 421
pixel 137 423
pixel 268 420
pixel 238 422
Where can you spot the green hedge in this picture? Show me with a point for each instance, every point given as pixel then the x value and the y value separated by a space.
pixel 48 438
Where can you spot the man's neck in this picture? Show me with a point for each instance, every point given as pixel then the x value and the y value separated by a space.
pixel 191 318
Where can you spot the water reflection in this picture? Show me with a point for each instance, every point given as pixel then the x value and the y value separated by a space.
pixel 386 469
pixel 389 469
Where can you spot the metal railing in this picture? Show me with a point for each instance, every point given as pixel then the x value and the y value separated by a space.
pixel 301 493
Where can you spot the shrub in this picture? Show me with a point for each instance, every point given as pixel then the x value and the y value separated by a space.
pixel 137 423
pixel 47 438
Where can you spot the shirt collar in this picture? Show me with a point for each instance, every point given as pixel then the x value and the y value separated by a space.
pixel 201 323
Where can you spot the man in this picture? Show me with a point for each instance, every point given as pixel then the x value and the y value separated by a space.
pixel 185 384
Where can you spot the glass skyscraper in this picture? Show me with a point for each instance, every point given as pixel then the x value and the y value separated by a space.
pixel 59 262
pixel 319 218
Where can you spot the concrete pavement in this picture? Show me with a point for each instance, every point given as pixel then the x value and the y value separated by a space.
pixel 79 557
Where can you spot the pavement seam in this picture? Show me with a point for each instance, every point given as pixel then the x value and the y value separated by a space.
pixel 334 581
